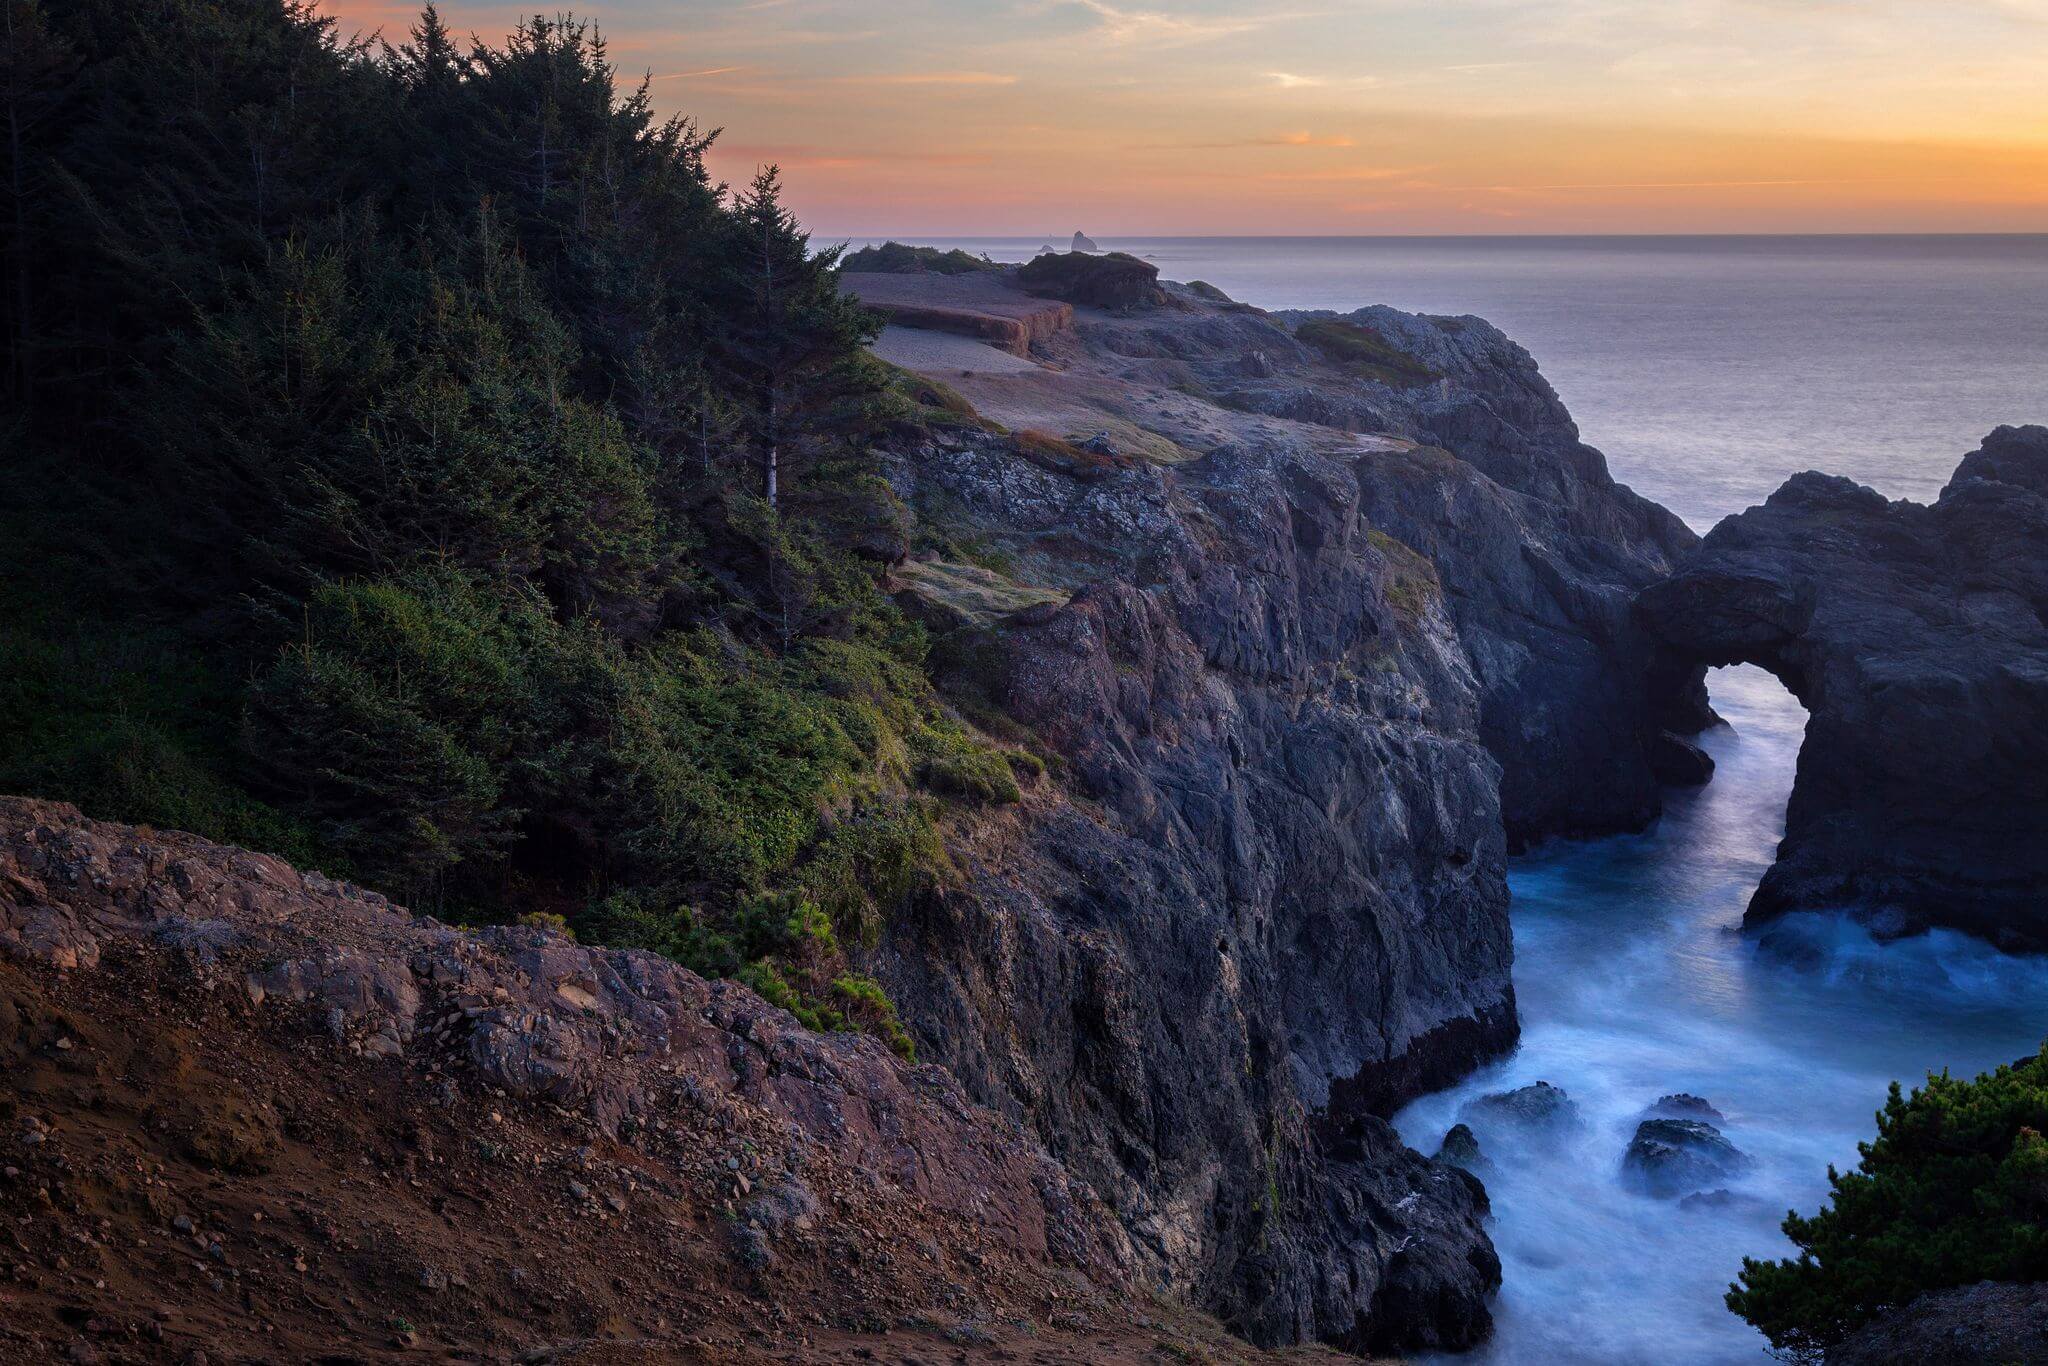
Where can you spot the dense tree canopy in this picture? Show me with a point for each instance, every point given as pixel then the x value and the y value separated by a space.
pixel 426 469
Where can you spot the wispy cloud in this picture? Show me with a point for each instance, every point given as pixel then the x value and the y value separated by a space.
pixel 936 78
pixel 1156 26
pixel 1287 80
pixel 1341 174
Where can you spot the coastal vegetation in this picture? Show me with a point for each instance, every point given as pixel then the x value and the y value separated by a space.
pixel 1357 348
pixel 896 258
pixel 424 469
pixel 1953 1190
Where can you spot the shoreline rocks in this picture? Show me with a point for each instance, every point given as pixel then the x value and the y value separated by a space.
pixel 1669 1158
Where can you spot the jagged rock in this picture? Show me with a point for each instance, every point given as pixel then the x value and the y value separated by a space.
pixel 1673 1157
pixel 1679 762
pixel 1685 1105
pixel 1083 242
pixel 1538 1108
pixel 1460 1147
pixel 1165 982
pixel 1917 638
pixel 1540 553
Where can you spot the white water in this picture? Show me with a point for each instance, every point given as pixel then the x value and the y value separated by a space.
pixel 1633 982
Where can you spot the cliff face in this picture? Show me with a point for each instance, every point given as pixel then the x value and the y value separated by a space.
pixel 1280 675
pixel 1540 553
pixel 1917 638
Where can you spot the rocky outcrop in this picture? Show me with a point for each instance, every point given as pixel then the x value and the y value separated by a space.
pixel 1986 1324
pixel 1917 638
pixel 1115 281
pixel 1540 553
pixel 1675 1157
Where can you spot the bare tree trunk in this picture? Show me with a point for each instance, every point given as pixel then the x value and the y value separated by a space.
pixel 774 440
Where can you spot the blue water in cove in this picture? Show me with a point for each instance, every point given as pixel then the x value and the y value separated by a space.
pixel 1634 981
pixel 1708 369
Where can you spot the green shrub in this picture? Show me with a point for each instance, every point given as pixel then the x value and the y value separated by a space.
pixel 128 726
pixel 897 258
pixel 864 1000
pixel 393 725
pixel 1953 1190
pixel 952 764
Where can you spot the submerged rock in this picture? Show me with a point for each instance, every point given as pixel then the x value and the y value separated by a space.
pixel 1717 1201
pixel 1672 1157
pixel 1917 638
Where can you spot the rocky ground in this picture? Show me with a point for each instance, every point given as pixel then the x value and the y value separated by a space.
pixel 1917 638
pixel 1987 1324
pixel 258 1116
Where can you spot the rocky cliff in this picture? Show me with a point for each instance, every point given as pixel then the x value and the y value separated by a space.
pixel 1917 638
pixel 1540 552
pixel 1289 621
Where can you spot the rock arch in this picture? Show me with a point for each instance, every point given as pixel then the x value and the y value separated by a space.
pixel 1916 636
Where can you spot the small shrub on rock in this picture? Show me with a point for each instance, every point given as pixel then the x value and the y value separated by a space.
pixel 1954 1190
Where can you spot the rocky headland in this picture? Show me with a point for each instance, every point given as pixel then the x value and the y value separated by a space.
pixel 1917 638
pixel 1312 645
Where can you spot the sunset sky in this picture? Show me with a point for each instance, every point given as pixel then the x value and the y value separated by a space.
pixel 1034 117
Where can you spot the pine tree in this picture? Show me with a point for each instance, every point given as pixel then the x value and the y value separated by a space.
pixel 789 332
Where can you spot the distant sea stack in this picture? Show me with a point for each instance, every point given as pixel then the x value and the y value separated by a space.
pixel 1083 242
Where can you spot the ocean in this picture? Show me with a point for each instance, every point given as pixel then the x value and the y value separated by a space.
pixel 1708 369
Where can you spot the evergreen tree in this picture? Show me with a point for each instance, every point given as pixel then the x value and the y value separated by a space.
pixel 794 336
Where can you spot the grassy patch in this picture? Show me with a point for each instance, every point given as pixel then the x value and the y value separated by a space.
pixel 1363 352
pixel 978 595
pixel 1412 584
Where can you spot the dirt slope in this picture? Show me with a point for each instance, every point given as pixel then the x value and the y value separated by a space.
pixel 247 1115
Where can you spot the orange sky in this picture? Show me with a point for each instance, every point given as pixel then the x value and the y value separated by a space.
pixel 1033 117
